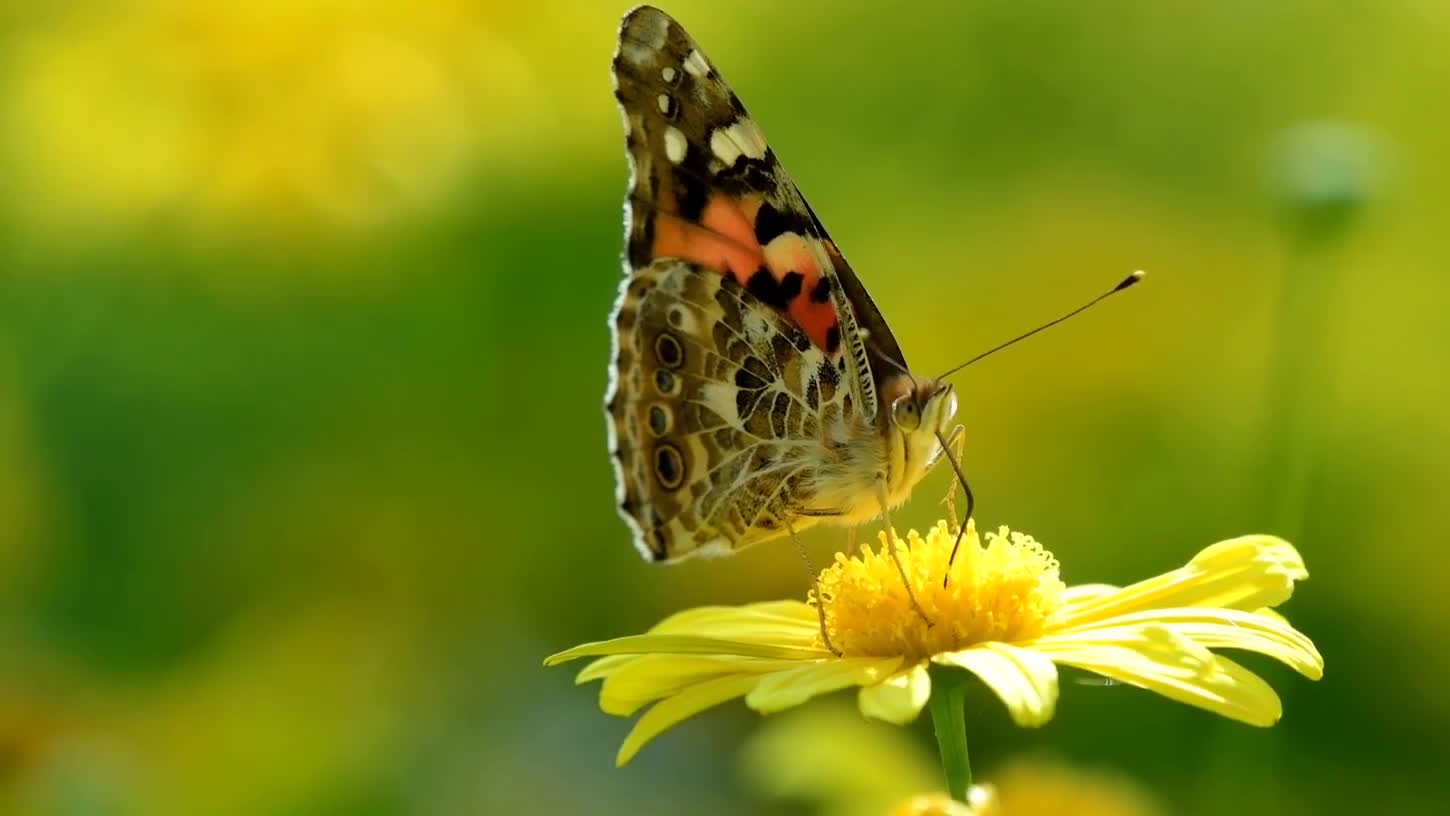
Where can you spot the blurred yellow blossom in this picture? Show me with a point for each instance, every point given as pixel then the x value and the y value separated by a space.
pixel 1036 788
pixel 1005 616
pixel 841 764
pixel 287 115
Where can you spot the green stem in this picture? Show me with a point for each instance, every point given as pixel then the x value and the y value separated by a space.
pixel 949 720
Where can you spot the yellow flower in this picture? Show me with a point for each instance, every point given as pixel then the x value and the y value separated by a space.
pixel 1004 616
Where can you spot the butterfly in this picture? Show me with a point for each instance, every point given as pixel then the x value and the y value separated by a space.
pixel 755 390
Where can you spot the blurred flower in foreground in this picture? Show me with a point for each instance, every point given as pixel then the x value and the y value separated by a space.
pixel 1005 616
pixel 1035 788
pixel 830 758
pixel 841 764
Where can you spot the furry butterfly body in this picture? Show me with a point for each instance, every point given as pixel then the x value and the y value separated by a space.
pixel 755 389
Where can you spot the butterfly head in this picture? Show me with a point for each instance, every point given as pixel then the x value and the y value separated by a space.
pixel 923 406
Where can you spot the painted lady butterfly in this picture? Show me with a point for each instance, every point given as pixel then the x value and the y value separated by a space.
pixel 755 388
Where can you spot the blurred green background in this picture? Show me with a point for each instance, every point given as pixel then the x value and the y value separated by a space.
pixel 303 345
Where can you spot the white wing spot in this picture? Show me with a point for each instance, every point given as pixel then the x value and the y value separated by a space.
pixel 741 138
pixel 747 134
pixel 723 146
pixel 668 73
pixel 633 52
pixel 696 64
pixel 675 145
pixel 654 29
pixel 664 103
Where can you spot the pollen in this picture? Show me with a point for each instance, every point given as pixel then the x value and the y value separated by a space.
pixel 1005 589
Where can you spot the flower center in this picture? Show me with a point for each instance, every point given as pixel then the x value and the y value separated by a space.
pixel 1006 590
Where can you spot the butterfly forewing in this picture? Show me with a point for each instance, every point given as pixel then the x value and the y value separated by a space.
pixel 748 355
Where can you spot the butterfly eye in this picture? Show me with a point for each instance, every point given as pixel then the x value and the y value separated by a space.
pixel 905 414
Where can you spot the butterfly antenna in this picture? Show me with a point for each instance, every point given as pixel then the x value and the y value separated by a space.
pixel 971 504
pixel 1127 282
pixel 903 369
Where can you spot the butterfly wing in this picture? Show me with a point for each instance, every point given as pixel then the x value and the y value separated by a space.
pixel 707 187
pixel 727 442
pixel 717 413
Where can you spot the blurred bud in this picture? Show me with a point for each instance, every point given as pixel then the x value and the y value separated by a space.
pixel 1324 173
pixel 939 804
pixel 1044 788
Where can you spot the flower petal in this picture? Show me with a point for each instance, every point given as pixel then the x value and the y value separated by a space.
pixel 1025 680
pixel 672 710
pixel 602 667
pixel 1163 661
pixel 1211 628
pixel 898 698
pixel 685 644
pixel 646 678
pixel 792 687
pixel 1084 593
pixel 1241 573
pixel 789 623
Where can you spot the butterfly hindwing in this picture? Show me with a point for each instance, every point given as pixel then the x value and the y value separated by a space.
pixel 716 402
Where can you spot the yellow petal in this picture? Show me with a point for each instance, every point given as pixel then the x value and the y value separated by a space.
pixel 602 667
pixel 646 678
pixel 670 711
pixel 783 690
pixel 684 644
pixel 1084 593
pixel 789 623
pixel 1172 665
pixel 1241 573
pixel 1025 680
pixel 1211 628
pixel 898 698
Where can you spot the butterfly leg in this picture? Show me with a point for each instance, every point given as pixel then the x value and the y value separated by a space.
pixel 815 588
pixel 851 540
pixel 891 548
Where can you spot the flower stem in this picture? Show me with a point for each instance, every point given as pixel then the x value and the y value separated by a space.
pixel 949 721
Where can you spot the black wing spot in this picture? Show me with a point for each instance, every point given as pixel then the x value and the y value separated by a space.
pixel 790 285
pixel 669 466
pixel 659 420
pixel 745 379
pixel 821 292
pixel 773 293
pixel 833 339
pixel 770 223
pixel 693 196
pixel 669 351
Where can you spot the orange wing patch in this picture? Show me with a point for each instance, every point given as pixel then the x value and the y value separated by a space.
pixel 783 274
